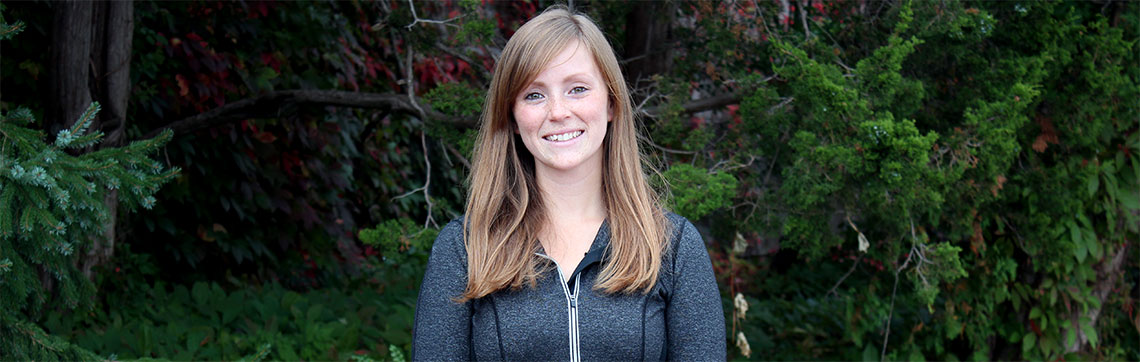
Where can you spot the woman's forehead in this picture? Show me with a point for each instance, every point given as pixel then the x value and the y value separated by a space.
pixel 573 60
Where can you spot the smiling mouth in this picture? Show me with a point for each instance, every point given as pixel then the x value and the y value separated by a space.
pixel 563 136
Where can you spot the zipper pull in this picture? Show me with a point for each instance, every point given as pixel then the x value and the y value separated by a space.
pixel 573 302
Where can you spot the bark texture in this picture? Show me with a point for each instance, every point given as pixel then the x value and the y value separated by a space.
pixel 647 49
pixel 69 70
pixel 90 61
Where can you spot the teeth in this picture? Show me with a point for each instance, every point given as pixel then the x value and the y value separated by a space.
pixel 563 137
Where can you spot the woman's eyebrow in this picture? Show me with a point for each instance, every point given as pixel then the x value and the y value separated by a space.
pixel 583 76
pixel 578 76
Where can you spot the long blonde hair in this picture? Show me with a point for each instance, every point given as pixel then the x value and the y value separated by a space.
pixel 504 205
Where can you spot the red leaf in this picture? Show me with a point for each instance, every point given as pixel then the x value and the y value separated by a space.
pixel 266 137
pixel 183 89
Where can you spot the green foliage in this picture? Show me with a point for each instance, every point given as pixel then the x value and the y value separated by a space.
pixel 10 30
pixel 976 147
pixel 696 192
pixel 367 318
pixel 400 240
pixel 474 31
pixel 52 204
pixel 456 99
pixel 205 322
pixel 25 341
pixel 54 201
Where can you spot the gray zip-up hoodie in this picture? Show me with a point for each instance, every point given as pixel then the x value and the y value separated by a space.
pixel 681 318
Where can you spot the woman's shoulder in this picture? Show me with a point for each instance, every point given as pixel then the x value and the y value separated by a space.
pixel 681 230
pixel 685 241
pixel 686 246
pixel 450 239
pixel 453 229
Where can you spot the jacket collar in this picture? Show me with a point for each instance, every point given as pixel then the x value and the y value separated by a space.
pixel 597 250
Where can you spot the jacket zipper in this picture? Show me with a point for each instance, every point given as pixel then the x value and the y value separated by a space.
pixel 572 310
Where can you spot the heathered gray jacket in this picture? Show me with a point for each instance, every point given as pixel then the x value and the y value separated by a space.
pixel 680 319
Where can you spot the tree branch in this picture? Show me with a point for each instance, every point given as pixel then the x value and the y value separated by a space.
pixel 429 21
pixel 478 67
pixel 271 105
pixel 699 105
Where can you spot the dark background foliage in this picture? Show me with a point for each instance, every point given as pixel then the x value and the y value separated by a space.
pixel 875 179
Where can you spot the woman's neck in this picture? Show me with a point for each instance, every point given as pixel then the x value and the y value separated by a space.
pixel 572 197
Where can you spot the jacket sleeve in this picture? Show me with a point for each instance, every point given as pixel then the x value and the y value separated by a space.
pixel 694 315
pixel 442 327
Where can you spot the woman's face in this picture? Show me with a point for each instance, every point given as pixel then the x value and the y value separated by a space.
pixel 562 114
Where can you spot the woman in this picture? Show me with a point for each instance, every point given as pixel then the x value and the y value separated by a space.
pixel 564 252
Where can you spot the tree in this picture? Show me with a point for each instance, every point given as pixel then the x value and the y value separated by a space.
pixel 90 61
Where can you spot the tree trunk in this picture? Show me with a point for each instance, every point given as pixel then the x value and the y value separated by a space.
pixel 90 61
pixel 69 70
pixel 111 85
pixel 113 69
pixel 647 48
pixel 68 74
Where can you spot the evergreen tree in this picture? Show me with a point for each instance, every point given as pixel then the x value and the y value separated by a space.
pixel 51 207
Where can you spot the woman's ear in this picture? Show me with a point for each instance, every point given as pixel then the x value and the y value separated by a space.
pixel 610 111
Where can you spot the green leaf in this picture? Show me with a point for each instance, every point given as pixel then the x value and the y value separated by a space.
pixel 1048 345
pixel 313 313
pixel 1081 252
pixel 1093 184
pixel 1090 333
pixel 1093 244
pixel 1108 167
pixel 201 293
pixel 1083 272
pixel 1028 342
pixel 870 354
pixel 1035 313
pixel 1084 220
pixel 1111 187
pixel 1094 302
pixel 916 355
pixel 1070 337
pixel 1130 200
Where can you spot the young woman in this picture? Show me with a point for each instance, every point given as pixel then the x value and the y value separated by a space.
pixel 564 251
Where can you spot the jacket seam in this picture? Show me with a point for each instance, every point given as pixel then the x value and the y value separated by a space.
pixel 498 328
pixel 680 233
pixel 644 307
pixel 471 330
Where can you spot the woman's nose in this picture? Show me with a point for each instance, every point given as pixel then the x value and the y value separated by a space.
pixel 558 110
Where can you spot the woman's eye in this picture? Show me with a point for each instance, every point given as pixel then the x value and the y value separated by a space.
pixel 532 96
pixel 578 89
